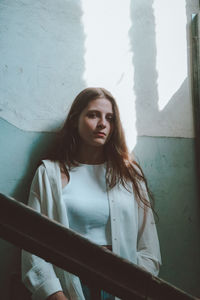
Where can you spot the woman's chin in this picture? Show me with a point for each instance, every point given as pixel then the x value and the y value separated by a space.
pixel 99 142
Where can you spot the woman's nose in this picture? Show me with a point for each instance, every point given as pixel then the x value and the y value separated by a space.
pixel 101 123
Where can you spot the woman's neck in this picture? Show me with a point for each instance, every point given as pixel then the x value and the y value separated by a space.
pixel 91 155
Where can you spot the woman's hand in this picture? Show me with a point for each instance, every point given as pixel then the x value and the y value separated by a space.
pixel 57 296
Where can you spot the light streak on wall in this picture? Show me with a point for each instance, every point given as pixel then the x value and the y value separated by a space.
pixel 171 46
pixel 108 57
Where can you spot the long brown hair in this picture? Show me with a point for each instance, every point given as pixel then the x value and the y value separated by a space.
pixel 121 168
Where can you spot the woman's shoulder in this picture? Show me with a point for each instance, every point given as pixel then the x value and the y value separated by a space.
pixel 43 165
pixel 55 168
pixel 47 163
pixel 51 168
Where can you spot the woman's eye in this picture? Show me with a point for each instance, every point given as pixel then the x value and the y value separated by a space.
pixel 92 115
pixel 110 118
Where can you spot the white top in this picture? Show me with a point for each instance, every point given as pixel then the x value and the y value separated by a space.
pixel 86 200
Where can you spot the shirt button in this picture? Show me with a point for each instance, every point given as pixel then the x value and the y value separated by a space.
pixel 115 239
pixel 114 219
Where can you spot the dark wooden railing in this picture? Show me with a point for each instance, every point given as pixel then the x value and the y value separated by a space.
pixel 48 239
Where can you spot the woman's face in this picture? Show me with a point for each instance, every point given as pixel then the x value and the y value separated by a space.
pixel 95 124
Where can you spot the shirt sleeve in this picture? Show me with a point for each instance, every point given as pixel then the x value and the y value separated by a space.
pixel 148 249
pixel 37 274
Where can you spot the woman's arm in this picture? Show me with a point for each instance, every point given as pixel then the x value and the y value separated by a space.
pixel 37 274
pixel 148 249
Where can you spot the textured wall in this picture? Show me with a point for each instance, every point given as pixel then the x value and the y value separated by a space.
pixel 51 50
pixel 42 48
pixel 170 167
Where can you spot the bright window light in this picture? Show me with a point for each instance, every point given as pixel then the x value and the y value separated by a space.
pixel 171 46
pixel 108 55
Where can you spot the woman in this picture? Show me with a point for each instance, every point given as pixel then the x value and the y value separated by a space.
pixel 91 185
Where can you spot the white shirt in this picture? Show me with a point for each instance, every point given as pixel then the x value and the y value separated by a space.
pixel 130 239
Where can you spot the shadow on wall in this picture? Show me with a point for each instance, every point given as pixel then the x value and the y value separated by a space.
pixel 142 37
pixel 168 163
pixel 40 143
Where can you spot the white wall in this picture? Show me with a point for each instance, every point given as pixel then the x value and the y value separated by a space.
pixel 162 66
pixel 139 50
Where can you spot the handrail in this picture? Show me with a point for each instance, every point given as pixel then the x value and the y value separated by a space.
pixel 28 229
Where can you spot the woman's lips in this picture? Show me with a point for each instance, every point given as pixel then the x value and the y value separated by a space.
pixel 100 134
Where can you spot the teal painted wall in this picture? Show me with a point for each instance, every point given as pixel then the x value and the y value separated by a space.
pixel 19 154
pixel 169 165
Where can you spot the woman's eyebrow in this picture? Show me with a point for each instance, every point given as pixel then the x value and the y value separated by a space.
pixel 98 111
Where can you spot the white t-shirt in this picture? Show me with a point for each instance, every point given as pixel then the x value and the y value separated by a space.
pixel 87 204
